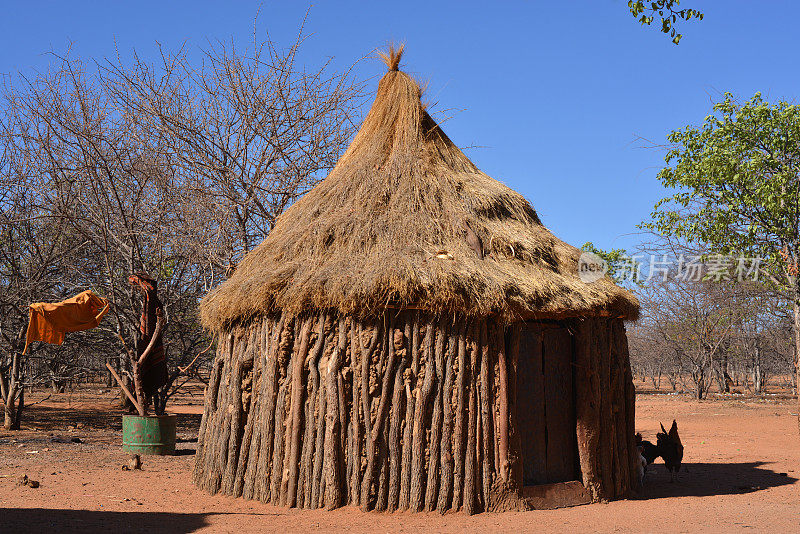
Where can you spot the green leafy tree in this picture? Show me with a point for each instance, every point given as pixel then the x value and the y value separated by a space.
pixel 667 11
pixel 621 265
pixel 737 190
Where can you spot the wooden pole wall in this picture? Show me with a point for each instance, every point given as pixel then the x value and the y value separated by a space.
pixel 605 408
pixel 405 411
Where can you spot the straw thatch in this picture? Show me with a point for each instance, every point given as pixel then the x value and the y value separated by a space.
pixel 405 219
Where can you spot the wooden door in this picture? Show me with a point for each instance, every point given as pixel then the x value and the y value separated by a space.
pixel 546 404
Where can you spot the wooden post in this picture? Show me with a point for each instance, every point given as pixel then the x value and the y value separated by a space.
pixel 298 388
pixel 515 444
pixel 459 442
pixel 432 485
pixel 333 476
pixel 503 418
pixel 422 402
pixel 446 484
pixel 125 389
pixel 586 409
pixel 487 437
pixel 470 496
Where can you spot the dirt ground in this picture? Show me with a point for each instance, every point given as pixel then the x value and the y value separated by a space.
pixel 741 470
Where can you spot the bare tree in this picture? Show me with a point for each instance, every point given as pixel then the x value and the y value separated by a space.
pixel 708 326
pixel 176 170
pixel 34 247
pixel 690 318
pixel 246 133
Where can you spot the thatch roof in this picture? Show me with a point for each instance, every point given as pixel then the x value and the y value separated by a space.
pixel 405 219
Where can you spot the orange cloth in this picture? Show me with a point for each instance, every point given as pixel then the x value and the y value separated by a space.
pixel 49 321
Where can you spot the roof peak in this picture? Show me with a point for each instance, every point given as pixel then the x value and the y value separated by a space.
pixel 392 56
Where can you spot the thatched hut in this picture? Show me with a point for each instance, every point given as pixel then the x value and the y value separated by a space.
pixel 410 336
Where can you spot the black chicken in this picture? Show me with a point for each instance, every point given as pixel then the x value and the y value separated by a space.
pixel 648 451
pixel 670 449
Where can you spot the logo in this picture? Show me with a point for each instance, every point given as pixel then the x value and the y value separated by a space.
pixel 591 267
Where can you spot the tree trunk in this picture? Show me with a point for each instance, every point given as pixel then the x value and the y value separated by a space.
pixel 109 383
pixel 14 395
pixel 757 383
pixel 20 407
pixel 797 346
pixel 724 376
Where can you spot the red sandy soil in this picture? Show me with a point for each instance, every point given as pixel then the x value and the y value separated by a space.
pixel 741 471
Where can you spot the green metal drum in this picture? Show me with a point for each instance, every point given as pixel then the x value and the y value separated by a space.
pixel 153 434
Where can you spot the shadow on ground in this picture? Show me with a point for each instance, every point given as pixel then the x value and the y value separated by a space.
pixel 707 479
pixel 63 521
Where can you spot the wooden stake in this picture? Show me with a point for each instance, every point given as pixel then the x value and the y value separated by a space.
pixel 503 420
pixel 487 438
pixel 408 432
pixel 446 484
pixel 459 442
pixel 333 476
pixel 432 485
pixel 470 461
pixel 418 440
pixel 395 421
pixel 296 405
pixel 125 389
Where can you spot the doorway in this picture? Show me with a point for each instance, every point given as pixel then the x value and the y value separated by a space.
pixel 546 404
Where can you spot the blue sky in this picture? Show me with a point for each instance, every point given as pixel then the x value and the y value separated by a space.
pixel 554 94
